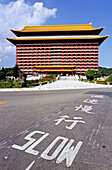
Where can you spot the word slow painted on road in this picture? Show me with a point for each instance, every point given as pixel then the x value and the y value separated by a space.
pixel 68 153
pixel 64 150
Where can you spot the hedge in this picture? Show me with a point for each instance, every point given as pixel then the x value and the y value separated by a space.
pixel 29 83
pixel 11 84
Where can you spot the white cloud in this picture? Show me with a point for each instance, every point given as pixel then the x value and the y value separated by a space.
pixel 16 15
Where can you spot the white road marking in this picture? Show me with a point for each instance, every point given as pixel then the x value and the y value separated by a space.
pixel 4 142
pixel 91 136
pixel 30 149
pixel 58 149
pixel 29 167
pixel 31 140
pixel 69 153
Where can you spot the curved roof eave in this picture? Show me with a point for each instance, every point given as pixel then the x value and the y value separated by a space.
pixel 99 38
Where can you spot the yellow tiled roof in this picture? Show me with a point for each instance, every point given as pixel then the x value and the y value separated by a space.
pixel 45 28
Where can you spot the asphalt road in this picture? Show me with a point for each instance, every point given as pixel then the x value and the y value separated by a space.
pixel 56 130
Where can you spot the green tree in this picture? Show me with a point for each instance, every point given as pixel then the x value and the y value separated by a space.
pixel 9 73
pixel 3 70
pixel 90 74
pixel 103 73
pixel 97 74
pixel 2 75
pixel 15 71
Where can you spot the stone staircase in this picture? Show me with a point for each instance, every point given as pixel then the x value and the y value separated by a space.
pixel 74 78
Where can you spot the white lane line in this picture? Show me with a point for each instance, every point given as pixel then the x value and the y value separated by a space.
pixel 29 167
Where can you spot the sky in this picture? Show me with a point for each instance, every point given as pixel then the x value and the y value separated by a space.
pixel 15 14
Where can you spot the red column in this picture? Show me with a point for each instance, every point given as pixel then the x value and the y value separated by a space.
pixel 94 55
pixel 97 54
pixel 71 54
pixel 27 59
pixel 89 56
pixel 16 54
pixel 85 58
pixel 23 58
pixel 67 54
pixel 62 56
pixel 76 58
pixel 36 55
pixel 32 60
pixel 80 59
pixel 49 55
pixel 40 55
pixel 19 56
pixel 45 55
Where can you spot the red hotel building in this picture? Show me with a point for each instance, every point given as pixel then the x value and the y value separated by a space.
pixel 66 49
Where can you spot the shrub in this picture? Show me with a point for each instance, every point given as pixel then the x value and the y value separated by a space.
pixel 8 85
pixel 44 82
pixel 109 79
pixel 30 84
pixel 2 85
pixel 18 84
pixel 101 82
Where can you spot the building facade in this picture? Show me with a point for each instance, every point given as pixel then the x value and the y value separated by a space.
pixel 65 49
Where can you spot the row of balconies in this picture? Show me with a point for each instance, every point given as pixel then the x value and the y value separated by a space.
pixel 45 50
pixel 78 68
pixel 57 60
pixel 57 57
pixel 54 57
pixel 58 44
pixel 58 54
pixel 90 60
pixel 80 65
pixel 49 50
pixel 34 61
pixel 59 63
pixel 59 47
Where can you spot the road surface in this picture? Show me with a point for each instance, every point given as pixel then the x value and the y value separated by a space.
pixel 56 130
